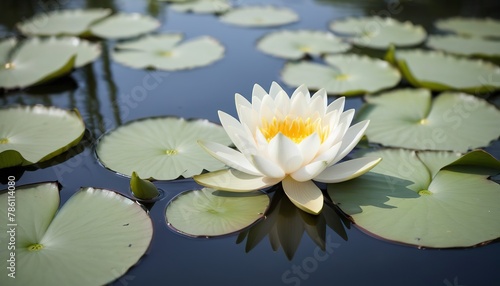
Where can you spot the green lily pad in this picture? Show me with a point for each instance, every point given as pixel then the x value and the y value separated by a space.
pixel 343 74
pixel 439 71
pixel 425 198
pixel 123 25
pixel 86 52
pixel 259 16
pixel 379 33
pixel 208 212
pixel 202 6
pixel 32 134
pixel 35 61
pixel 465 46
pixel 162 148
pixel 62 22
pixel 411 118
pixel 165 52
pixel 94 238
pixel 296 44
pixel 480 27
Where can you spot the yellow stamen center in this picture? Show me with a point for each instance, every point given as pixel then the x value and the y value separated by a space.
pixel 166 54
pixel 296 129
pixel 342 77
pixel 8 66
pixel 35 247
pixel 4 140
pixel 305 49
pixel 171 152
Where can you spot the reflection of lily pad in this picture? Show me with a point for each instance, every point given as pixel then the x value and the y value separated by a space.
pixel 486 27
pixel 438 71
pixel 94 238
pixel 425 198
pixel 379 33
pixel 293 45
pixel 161 148
pixel 344 74
pixel 259 16
pixel 63 22
pixel 208 212
pixel 465 46
pixel 36 61
pixel 202 6
pixel 166 53
pixel 31 134
pixel 124 26
pixel 410 118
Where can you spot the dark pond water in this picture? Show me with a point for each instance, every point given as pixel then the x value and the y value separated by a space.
pixel 102 93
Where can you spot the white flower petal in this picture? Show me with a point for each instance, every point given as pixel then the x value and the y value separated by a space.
pixel 241 101
pixel 347 170
pixel 299 105
pixel 351 139
pixel 248 117
pixel 309 171
pixel 230 157
pixel 258 92
pixel 346 117
pixel 309 147
pixel 267 167
pixel 330 154
pixel 267 109
pixel 243 143
pixel 275 89
pixel 282 103
pixel 338 104
pixel 305 195
pixel 285 153
pixel 301 89
pixel 236 131
pixel 262 143
pixel 234 181
pixel 333 138
pixel 319 102
pixel 256 103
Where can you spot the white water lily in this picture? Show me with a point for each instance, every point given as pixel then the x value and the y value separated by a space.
pixel 292 140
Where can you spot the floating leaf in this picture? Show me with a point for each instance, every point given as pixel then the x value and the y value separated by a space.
pixel 31 134
pixel 438 71
pixel 259 16
pixel 465 46
pixel 162 148
pixel 481 27
pixel 124 25
pixel 379 33
pixel 201 6
pixel 62 22
pixel 94 238
pixel 294 45
pixel 425 198
pixel 208 212
pixel 411 118
pixel 143 189
pixel 36 61
pixel 344 74
pixel 164 52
